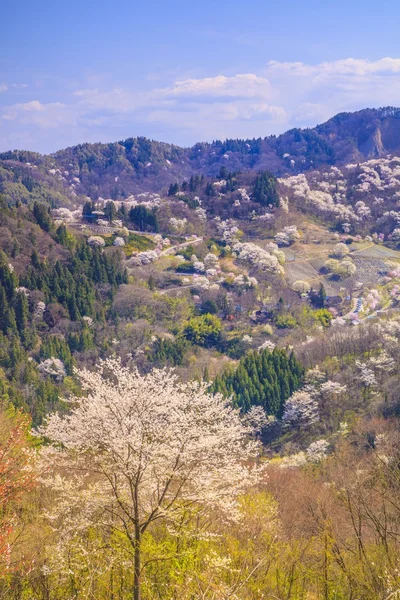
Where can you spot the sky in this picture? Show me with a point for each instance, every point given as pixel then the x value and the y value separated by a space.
pixel 184 71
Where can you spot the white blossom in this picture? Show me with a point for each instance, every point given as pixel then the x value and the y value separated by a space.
pixel 139 448
pixel 53 367
pixel 316 452
pixel 96 240
pixel 301 409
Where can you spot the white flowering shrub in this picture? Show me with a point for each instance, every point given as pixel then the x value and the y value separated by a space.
pixel 53 367
pixel 302 287
pixel 267 345
pixel 178 225
pixel 340 250
pixel 96 240
pixel 257 257
pixel 301 409
pixel 366 375
pixel 317 451
pixel 199 266
pixel 119 241
pixel 22 290
pixel 39 310
pixel 228 231
pixel 211 261
pixel 244 282
pixel 258 420
pixel 143 258
pixel 287 236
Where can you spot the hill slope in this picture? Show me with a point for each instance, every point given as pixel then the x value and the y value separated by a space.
pixel 118 169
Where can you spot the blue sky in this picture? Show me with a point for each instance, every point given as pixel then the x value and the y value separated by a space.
pixel 187 71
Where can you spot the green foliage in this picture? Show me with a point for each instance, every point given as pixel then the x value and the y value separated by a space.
pixel 191 202
pixel 56 347
pixel 186 267
pixel 323 316
pixel 143 218
pixel 173 189
pixel 264 189
pixel 110 212
pixel 209 306
pixel 42 215
pixel 170 352
pixel 263 378
pixel 73 285
pixel 285 321
pixel 64 237
pixel 187 252
pixel 137 243
pixel 204 330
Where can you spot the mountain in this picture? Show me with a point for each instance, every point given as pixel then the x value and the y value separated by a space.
pixel 117 170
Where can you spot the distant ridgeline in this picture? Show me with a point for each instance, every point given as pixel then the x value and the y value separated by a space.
pixel 263 378
pixel 116 170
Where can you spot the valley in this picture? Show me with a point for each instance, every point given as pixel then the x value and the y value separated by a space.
pixel 235 301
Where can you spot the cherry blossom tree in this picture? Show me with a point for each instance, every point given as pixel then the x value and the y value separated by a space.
pixel 301 409
pixel 340 250
pixel 140 448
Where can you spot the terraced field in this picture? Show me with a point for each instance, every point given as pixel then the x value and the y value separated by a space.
pixel 305 262
pixel 375 251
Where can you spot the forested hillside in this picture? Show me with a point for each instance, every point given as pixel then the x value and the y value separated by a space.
pixel 199 368
pixel 117 170
pixel 53 288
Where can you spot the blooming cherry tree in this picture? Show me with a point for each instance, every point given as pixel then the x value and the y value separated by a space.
pixel 140 448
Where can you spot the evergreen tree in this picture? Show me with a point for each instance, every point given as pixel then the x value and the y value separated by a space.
pixel 173 189
pixel 110 211
pixel 321 296
pixel 264 189
pixel 42 215
pixel 263 378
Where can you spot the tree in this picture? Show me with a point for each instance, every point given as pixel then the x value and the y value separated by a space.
pixel 173 189
pixel 321 296
pixel 264 190
pixel 302 287
pixel 262 378
pixel 16 477
pixel 340 250
pixel 151 448
pixel 143 218
pixel 110 212
pixel 21 312
pixel 42 215
pixel 204 330
pixel 301 409
pixel 87 210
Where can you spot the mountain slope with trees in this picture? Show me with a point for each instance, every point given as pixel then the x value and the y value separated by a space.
pixel 117 170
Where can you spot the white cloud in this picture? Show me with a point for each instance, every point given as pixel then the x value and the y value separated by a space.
pixel 282 95
pixel 47 116
pixel 4 87
pixel 116 99
pixel 341 83
pixel 247 85
pixel 347 66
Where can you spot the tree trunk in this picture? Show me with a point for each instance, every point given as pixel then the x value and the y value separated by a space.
pixel 137 567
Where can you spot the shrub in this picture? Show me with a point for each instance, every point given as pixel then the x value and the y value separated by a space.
pixel 323 316
pixel 285 321
pixel 204 330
